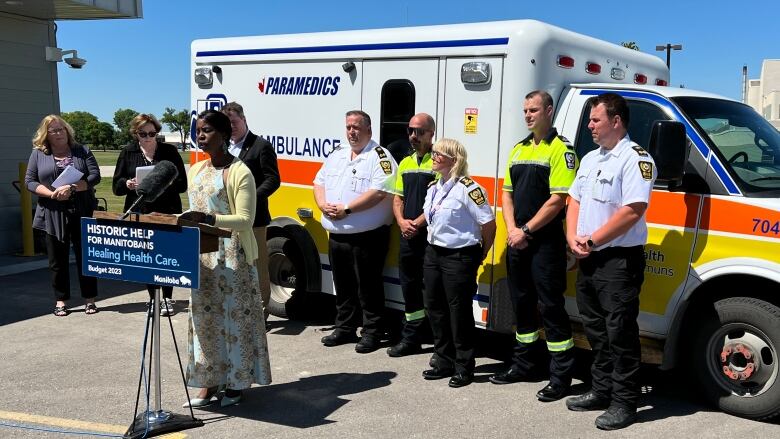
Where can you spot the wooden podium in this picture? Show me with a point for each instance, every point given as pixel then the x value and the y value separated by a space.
pixel 209 235
pixel 153 422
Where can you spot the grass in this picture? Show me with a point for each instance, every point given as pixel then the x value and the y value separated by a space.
pixel 108 158
pixel 115 203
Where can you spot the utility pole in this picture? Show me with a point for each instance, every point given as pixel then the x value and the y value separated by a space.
pixel 668 48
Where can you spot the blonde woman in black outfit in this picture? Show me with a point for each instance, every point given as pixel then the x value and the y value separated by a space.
pixel 59 209
pixel 145 150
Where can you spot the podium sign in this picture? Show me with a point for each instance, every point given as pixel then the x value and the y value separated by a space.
pixel 141 252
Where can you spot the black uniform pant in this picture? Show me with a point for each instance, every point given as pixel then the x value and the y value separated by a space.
pixel 167 292
pixel 450 285
pixel 357 261
pixel 410 271
pixel 537 280
pixel 608 286
pixel 59 261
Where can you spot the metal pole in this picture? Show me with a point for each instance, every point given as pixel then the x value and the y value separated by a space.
pixel 28 246
pixel 156 348
pixel 668 55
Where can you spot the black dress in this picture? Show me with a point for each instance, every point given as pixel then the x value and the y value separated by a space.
pixel 132 157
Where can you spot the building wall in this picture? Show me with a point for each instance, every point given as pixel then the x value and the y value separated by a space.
pixel 764 93
pixel 28 91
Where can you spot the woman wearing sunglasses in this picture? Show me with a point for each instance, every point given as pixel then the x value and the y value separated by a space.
pixel 461 229
pixel 145 150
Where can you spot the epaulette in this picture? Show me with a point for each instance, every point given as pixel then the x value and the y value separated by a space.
pixel 380 152
pixel 639 150
pixel 466 181
pixel 433 182
pixel 566 142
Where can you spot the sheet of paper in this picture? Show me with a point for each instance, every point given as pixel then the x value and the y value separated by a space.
pixel 69 175
pixel 141 172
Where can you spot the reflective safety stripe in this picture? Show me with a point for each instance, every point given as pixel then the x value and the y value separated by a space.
pixel 559 346
pixel 527 338
pixel 417 315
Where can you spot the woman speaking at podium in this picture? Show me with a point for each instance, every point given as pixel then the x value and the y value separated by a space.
pixel 227 341
pixel 143 151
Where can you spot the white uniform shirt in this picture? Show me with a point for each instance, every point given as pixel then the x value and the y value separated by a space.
pixel 235 147
pixel 345 179
pixel 608 180
pixel 455 210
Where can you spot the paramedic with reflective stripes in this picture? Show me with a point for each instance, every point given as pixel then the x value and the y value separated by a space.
pixel 538 175
pixel 411 183
pixel 607 230
pixel 461 230
pixel 353 190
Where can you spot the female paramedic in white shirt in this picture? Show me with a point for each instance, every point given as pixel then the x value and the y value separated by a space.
pixel 461 229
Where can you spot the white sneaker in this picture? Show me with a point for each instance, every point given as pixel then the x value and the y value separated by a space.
pixel 166 307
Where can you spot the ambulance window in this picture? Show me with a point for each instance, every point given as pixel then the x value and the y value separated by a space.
pixel 397 108
pixel 642 115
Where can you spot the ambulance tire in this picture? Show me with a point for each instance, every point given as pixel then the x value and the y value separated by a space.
pixel 736 357
pixel 287 273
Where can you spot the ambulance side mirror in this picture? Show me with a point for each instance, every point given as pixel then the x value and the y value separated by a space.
pixel 669 149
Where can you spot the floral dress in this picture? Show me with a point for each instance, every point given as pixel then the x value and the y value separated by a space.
pixel 227 343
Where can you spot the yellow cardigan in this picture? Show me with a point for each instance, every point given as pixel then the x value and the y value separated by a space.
pixel 242 199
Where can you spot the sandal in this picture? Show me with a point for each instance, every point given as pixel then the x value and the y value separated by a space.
pixel 60 311
pixel 90 308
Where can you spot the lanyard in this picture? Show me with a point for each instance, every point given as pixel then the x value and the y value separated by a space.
pixel 435 208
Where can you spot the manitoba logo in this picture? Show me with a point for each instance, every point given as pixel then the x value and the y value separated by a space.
pixel 299 85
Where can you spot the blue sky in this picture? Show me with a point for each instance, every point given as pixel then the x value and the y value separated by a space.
pixel 144 64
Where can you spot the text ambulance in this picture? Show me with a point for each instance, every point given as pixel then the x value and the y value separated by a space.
pixel 711 299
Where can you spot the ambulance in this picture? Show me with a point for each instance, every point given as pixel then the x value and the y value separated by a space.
pixel 710 303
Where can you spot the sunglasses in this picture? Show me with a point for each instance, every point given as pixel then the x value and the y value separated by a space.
pixel 56 131
pixel 144 135
pixel 436 154
pixel 417 131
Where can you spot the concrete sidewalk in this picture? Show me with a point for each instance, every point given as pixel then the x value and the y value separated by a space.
pixel 80 373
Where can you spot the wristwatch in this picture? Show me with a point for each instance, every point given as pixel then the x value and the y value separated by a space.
pixel 347 210
pixel 590 242
pixel 526 230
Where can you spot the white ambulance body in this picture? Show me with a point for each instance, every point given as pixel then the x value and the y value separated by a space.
pixel 716 232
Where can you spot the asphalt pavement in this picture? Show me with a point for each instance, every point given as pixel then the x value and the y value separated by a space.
pixel 80 374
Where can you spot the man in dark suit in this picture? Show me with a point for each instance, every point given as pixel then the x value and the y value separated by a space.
pixel 259 155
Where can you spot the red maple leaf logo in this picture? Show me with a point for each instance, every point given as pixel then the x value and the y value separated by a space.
pixel 261 86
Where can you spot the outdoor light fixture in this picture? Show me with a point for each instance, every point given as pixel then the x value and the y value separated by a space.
pixel 477 72
pixel 55 54
pixel 348 66
pixel 203 76
pixel 668 48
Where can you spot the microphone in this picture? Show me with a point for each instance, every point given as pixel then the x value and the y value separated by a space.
pixel 151 187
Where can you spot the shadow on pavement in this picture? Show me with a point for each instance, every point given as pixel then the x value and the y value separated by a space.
pixel 29 295
pixel 302 404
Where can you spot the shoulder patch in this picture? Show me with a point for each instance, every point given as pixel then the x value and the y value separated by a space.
pixel 387 168
pixel 639 150
pixel 571 162
pixel 466 181
pixel 380 152
pixel 477 196
pixel 646 168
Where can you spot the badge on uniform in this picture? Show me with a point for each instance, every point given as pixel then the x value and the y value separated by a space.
pixel 639 150
pixel 380 152
pixel 466 181
pixel 646 168
pixel 570 162
pixel 386 167
pixel 477 197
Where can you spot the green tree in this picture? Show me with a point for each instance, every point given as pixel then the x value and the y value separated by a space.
pixel 178 122
pixel 83 123
pixel 104 134
pixel 122 118
pixel 630 45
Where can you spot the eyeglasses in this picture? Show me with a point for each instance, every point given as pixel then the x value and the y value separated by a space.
pixel 417 131
pixel 144 135
pixel 56 131
pixel 436 154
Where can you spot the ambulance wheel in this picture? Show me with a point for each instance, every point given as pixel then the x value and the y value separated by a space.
pixel 735 357
pixel 286 271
